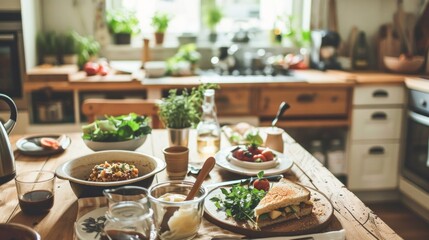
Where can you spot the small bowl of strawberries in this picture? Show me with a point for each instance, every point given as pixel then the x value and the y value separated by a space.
pixel 253 156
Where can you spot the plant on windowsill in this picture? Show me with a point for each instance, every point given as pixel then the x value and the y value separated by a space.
pixel 179 113
pixel 213 15
pixel 160 22
pixel 69 47
pixel 47 47
pixel 122 24
pixel 88 50
pixel 184 62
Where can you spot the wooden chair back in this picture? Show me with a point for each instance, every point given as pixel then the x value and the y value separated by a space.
pixel 93 108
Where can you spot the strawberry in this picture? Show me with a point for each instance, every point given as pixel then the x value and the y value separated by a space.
pixel 259 158
pixel 262 184
pixel 239 153
pixel 268 154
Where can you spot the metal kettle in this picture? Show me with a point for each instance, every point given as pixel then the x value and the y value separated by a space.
pixel 7 160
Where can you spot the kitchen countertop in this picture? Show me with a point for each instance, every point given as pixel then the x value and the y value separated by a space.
pixel 418 84
pixel 297 78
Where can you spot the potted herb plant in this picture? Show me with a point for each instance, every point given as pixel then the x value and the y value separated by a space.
pixel 88 49
pixel 123 24
pixel 69 46
pixel 160 22
pixel 213 15
pixel 184 62
pixel 179 113
pixel 47 46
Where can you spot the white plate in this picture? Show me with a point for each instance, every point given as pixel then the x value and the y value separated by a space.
pixel 253 165
pixel 96 214
pixel 284 164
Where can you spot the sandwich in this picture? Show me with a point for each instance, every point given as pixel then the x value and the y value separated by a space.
pixel 284 201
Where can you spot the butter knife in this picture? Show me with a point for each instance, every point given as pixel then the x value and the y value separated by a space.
pixel 332 235
pixel 244 181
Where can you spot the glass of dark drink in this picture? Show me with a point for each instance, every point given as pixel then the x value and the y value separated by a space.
pixel 35 191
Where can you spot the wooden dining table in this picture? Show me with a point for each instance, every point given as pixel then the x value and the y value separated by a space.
pixel 358 220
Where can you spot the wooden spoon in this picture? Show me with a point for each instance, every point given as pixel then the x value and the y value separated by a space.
pixel 204 172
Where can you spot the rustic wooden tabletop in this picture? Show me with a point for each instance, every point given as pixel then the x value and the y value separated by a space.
pixel 358 221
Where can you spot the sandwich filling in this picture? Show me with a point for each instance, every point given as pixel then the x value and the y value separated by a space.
pixel 292 210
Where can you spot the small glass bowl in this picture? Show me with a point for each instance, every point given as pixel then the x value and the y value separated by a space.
pixel 187 215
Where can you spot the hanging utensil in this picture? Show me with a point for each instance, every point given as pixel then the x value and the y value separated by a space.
pixel 282 108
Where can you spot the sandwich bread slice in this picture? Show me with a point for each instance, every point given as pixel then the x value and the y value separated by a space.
pixel 284 201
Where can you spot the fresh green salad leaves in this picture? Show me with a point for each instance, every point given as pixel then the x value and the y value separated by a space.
pixel 114 129
pixel 240 201
pixel 253 138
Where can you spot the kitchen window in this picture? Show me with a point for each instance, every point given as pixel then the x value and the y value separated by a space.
pixel 256 16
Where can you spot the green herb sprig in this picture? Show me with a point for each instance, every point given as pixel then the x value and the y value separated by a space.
pixel 183 111
pixel 240 201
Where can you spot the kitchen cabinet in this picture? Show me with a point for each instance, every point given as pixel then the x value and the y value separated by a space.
pixel 312 106
pixel 376 131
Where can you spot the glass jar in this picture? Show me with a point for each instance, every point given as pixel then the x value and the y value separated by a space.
pixel 208 129
pixel 129 215
pixel 176 218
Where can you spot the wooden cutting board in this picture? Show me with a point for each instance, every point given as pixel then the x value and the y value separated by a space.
pixel 317 221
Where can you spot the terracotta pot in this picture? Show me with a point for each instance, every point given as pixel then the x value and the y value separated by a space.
pixel 70 59
pixel 159 38
pixel 50 59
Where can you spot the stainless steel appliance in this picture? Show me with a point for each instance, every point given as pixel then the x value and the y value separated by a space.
pixel 12 64
pixel 414 180
pixel 416 163
pixel 7 160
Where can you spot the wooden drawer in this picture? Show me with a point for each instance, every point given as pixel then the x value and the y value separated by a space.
pixel 373 95
pixel 233 101
pixel 304 101
pixel 373 166
pixel 376 123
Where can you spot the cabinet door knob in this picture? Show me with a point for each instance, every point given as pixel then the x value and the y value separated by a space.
pixel 306 97
pixel 423 103
pixel 380 93
pixel 376 150
pixel 379 116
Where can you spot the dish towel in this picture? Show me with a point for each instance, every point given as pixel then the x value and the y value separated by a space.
pixel 207 230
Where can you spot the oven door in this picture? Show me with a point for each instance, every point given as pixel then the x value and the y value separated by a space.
pixel 416 164
pixel 10 67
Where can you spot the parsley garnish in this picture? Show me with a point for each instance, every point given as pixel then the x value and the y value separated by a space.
pixel 239 202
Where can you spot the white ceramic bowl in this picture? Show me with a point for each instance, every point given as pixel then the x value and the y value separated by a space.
pixel 78 170
pixel 404 65
pixel 129 145
pixel 254 165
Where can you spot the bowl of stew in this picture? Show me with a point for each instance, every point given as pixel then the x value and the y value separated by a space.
pixel 90 174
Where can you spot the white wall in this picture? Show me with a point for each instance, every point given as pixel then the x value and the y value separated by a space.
pixel 66 15
pixel 368 15
pixel 31 23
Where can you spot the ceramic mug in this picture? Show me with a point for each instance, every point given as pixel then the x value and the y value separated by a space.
pixel 176 158
pixel 274 139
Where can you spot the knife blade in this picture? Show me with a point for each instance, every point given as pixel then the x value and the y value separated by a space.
pixel 244 181
pixel 332 235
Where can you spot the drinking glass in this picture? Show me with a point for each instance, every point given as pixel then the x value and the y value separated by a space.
pixel 183 217
pixel 35 191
